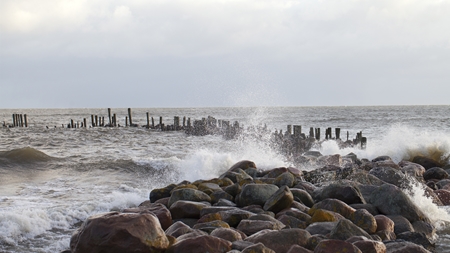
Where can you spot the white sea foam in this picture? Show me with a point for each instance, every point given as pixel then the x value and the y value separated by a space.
pixel 400 142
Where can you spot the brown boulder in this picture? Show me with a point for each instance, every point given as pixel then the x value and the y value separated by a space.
pixel 250 227
pixel 370 246
pixel 203 243
pixel 404 247
pixel 281 241
pixel 363 219
pixel 280 200
pixel 187 209
pixel 188 194
pixel 227 234
pixel 335 246
pixel 119 232
pixel 159 210
pixel 257 248
pixel 334 205
pixel 444 196
pixel 384 223
pixel 299 249
pixel 255 194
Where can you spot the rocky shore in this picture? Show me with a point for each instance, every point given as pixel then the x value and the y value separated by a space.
pixel 346 205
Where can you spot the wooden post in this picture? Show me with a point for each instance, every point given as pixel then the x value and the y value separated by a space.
pixel 84 122
pixel 25 118
pixel 109 116
pixel 311 132
pixel 347 135
pixel 318 134
pixel 363 142
pixel 126 121
pixel 148 120
pixel 289 129
pixel 297 130
pixel 115 120
pixel 96 120
pixel 160 123
pixel 129 116
pixel 176 122
pixel 184 121
pixel 338 133
pixel 71 123
pixel 14 120
pixel 153 123
pixel 21 120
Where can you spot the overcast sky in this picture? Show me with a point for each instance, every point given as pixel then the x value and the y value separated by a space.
pixel 196 53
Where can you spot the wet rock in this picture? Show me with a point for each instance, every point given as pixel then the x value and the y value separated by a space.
pixel 334 205
pixel 160 193
pixel 370 246
pixel 426 228
pixel 243 165
pixel 250 227
pixel 241 245
pixel 220 194
pixel 345 229
pixel 363 219
pixel 177 229
pixel 321 215
pixel 188 194
pixel 292 222
pixel 332 246
pixel 389 175
pixel 401 246
pixel 210 226
pixel 203 243
pixel 369 207
pixel 302 196
pixel 299 249
pixel 159 210
pixel 321 228
pixel 390 200
pixel 255 194
pixel 280 200
pixel 435 173
pixel 417 238
pixel 365 178
pixel 382 159
pixel 401 224
pixel 294 212
pixel 343 191
pixel 119 232
pixel 384 223
pixel 236 176
pixel 285 179
pixel 233 189
pixel 225 202
pixel 426 162
pixel 444 196
pixel 187 209
pixel 280 241
pixel 257 248
pixel 227 234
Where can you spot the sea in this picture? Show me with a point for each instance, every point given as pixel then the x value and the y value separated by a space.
pixel 52 177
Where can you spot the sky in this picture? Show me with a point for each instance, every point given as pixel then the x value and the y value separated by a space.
pixel 208 53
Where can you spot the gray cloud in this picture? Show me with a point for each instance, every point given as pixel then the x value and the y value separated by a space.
pixel 219 53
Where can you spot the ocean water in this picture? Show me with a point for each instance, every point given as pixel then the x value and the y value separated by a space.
pixel 53 178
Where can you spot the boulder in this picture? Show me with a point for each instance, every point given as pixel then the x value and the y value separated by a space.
pixel 343 191
pixel 280 241
pixel 243 165
pixel 390 200
pixel 218 195
pixel 444 196
pixel 188 194
pixel 292 222
pixel 159 210
pixel 321 215
pixel 257 248
pixel 401 246
pixel 202 243
pixel 299 249
pixel 225 202
pixel 334 205
pixel 321 228
pixel 417 238
pixel 250 227
pixel 389 175
pixel 178 229
pixel 370 246
pixel 345 229
pixel 210 226
pixel 120 232
pixel 384 223
pixel 435 173
pixel 227 234
pixel 426 162
pixel 331 246
pixel 363 219
pixel 296 213
pixel 285 179
pixel 302 196
pixel 255 194
pixel 369 207
pixel 187 209
pixel 159 193
pixel 280 200
pixel 401 224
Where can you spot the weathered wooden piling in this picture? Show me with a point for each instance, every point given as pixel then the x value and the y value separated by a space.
pixel 84 123
pixel 297 130
pixel 126 121
pixel 129 117
pixel 109 116
pixel 148 120
pixel 26 121
pixel 153 123
pixel 337 131
pixel 289 129
pixel 161 124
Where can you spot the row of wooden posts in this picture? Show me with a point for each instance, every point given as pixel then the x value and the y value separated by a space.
pixel 18 120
